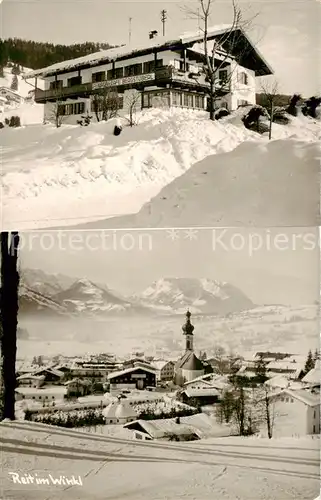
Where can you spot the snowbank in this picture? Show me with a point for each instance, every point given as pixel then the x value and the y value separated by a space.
pixel 257 184
pixel 96 175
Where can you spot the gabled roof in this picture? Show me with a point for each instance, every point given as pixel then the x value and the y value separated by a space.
pixel 26 376
pixel 302 395
pixel 313 376
pixel 189 361
pixel 185 39
pixel 132 369
pixel 208 391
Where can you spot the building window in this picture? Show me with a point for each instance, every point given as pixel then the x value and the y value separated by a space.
pixel 242 78
pixel 314 429
pixel 134 70
pixel 117 73
pixel 223 75
pixel 53 397
pixel 179 65
pixel 314 414
pixel 76 80
pixel 23 396
pixel 176 98
pixel 99 76
pixel 149 67
pixel 33 397
pixel 57 84
pixel 242 102
pixel 110 74
pixel 79 108
pixel 146 100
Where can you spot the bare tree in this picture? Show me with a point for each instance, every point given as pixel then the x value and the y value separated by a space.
pixel 106 103
pixel 264 408
pixel 9 320
pixel 57 111
pixel 270 91
pixel 130 105
pixel 218 56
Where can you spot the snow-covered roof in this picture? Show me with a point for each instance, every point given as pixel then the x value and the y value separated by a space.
pixel 27 376
pixel 206 391
pixel 115 53
pixel 119 409
pixel 302 395
pixel 42 390
pixel 149 369
pixel 313 376
pixel 160 364
pixel 200 424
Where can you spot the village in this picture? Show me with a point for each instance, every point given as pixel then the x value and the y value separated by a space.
pixel 169 399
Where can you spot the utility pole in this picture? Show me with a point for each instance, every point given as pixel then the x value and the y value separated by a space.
pixel 164 19
pixel 130 29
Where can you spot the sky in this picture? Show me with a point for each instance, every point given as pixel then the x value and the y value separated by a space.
pixel 287 32
pixel 269 265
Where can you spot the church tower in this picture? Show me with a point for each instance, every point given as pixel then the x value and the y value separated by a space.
pixel 188 329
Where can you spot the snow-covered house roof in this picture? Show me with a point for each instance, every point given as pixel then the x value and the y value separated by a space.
pixel 60 390
pixel 27 376
pixel 119 373
pixel 306 397
pixel 150 45
pixel 200 424
pixel 314 375
pixel 200 393
pixel 159 365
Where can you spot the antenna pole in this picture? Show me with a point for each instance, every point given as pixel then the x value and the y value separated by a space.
pixel 164 19
pixel 130 29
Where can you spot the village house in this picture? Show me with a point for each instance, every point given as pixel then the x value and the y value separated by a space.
pixel 30 380
pixel 77 387
pixel 51 375
pixel 165 370
pixel 167 72
pixel 137 377
pixel 294 412
pixel 42 394
pixel 187 428
pixel 200 397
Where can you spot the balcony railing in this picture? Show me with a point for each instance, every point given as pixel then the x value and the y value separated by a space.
pixel 62 92
pixel 168 73
pixel 161 76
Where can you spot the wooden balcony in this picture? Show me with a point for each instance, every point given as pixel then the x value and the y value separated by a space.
pixel 41 96
pixel 170 75
pixel 166 75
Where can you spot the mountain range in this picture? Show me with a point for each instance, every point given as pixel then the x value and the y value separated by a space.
pixel 57 295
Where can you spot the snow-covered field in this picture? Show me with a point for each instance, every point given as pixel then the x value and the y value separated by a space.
pixel 272 328
pixel 115 468
pixel 96 175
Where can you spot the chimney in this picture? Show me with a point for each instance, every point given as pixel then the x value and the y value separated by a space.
pixel 152 34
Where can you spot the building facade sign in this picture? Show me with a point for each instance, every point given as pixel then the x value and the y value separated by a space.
pixel 128 80
pixel 138 375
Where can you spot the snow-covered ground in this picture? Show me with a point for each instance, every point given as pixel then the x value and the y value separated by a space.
pixel 281 328
pixel 96 175
pixel 28 111
pixel 116 468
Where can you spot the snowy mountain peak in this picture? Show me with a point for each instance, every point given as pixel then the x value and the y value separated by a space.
pixel 202 295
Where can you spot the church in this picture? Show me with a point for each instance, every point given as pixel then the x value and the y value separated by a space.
pixel 189 366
